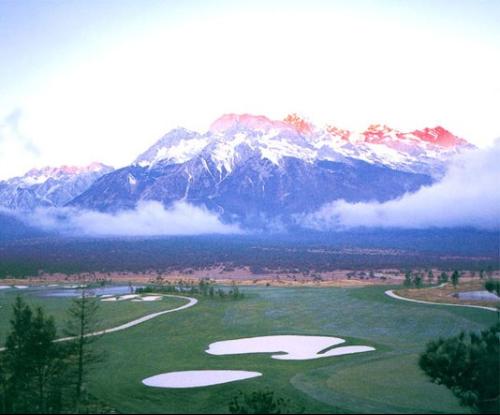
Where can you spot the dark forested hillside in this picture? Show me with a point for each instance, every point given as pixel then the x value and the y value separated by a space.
pixel 357 249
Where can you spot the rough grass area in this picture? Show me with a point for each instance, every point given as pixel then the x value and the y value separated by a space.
pixel 378 385
pixel 386 380
pixel 445 294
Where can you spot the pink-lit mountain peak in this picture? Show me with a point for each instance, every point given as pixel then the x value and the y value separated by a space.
pixel 65 170
pixel 383 134
pixel 292 122
pixel 373 134
pixel 439 136
pixel 299 123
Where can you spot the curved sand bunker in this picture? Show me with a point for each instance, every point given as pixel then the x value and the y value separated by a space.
pixel 198 378
pixel 132 297
pixel 291 347
pixel 148 298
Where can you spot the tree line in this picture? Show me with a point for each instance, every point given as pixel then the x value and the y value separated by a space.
pixel 73 256
pixel 205 288
pixel 417 279
pixel 468 364
pixel 38 373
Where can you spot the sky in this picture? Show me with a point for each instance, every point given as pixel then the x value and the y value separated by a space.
pixel 103 80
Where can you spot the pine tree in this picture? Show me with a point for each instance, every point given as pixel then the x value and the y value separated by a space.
pixel 418 280
pixel 493 286
pixel 469 365
pixel 443 277
pixel 83 319
pixel 3 387
pixel 408 281
pixel 455 277
pixel 430 277
pixel 48 365
pixel 33 363
pixel 17 357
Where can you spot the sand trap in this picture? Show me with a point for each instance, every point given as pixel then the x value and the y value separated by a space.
pixel 109 299
pixel 191 302
pixel 127 297
pixel 291 347
pixel 149 298
pixel 106 296
pixel 198 378
pixel 20 287
pixel 4 287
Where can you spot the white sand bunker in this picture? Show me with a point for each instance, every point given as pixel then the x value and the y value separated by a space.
pixel 149 298
pixel 127 297
pixel 109 299
pixel 21 287
pixel 291 347
pixel 4 287
pixel 198 378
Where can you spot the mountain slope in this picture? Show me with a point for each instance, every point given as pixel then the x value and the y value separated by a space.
pixel 254 189
pixel 49 186
pixel 251 169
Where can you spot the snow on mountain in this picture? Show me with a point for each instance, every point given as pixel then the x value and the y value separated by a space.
pixel 249 168
pixel 233 138
pixel 49 186
pixel 177 146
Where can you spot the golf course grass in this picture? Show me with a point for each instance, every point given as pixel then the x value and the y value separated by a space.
pixel 384 380
pixel 110 314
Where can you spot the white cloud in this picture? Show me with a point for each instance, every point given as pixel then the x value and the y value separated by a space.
pixel 147 219
pixel 18 153
pixel 468 195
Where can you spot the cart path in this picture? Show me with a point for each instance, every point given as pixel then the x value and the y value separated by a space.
pixel 190 303
pixel 390 293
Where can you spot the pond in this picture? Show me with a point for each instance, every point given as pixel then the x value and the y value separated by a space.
pixel 477 295
pixel 76 292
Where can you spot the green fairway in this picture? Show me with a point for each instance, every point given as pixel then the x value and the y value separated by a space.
pixel 110 313
pixel 385 380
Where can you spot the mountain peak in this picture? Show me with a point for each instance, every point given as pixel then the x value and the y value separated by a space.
pixel 338 132
pixel 49 171
pixel 300 124
pixel 49 186
pixel 439 136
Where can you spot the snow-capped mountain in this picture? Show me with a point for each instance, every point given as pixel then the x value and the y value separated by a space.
pixel 232 137
pixel 250 168
pixel 49 186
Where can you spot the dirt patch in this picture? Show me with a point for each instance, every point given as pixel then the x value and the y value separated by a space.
pixel 446 293
pixel 240 276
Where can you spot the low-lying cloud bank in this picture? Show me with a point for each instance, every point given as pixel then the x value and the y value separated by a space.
pixel 467 196
pixel 147 219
